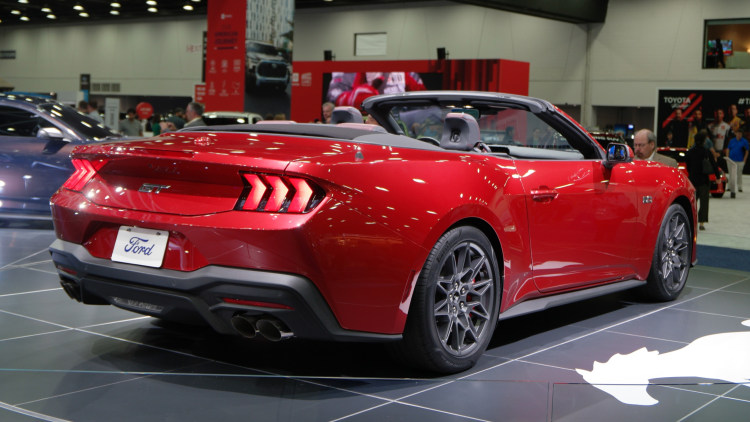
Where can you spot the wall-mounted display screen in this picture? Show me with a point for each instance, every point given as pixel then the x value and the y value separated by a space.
pixel 726 44
pixel 726 47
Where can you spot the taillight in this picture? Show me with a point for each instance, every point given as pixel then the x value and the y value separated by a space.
pixel 85 170
pixel 271 193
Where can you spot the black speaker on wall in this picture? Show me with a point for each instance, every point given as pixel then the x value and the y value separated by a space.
pixel 327 55
pixel 441 53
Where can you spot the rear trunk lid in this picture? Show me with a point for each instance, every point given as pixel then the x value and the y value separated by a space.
pixel 190 174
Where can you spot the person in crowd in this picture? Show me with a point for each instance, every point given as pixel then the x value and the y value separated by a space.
pixel 369 120
pixel 279 116
pixel 194 113
pixel 327 111
pixel 718 131
pixel 155 124
pixel 695 163
pixel 535 140
pixel 718 52
pixel 736 152
pixel 644 145
pixel 510 136
pixel 93 111
pixel 669 141
pixel 83 107
pixel 130 126
pixel 697 124
pixel 679 128
pixel 735 120
pixel 177 119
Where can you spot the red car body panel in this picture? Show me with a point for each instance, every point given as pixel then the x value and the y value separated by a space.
pixel 557 225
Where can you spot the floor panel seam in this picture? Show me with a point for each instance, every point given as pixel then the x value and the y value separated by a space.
pixel 30 292
pixel 707 404
pixel 21 259
pixel 583 336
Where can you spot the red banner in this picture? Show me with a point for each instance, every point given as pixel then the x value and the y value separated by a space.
pixel 225 56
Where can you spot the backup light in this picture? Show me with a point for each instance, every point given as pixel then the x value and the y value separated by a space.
pixel 283 194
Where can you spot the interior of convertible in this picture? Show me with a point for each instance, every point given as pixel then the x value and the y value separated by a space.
pixel 499 130
pixel 488 128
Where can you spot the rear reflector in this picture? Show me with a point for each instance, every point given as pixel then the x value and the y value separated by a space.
pixel 255 303
pixel 271 193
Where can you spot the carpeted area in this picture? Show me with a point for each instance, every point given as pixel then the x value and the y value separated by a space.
pixel 714 256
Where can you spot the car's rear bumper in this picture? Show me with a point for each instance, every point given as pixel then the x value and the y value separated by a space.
pixel 199 296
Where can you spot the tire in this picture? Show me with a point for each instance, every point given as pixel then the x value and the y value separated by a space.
pixel 672 256
pixel 454 309
pixel 717 195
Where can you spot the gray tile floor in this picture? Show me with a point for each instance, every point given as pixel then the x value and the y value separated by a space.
pixel 60 360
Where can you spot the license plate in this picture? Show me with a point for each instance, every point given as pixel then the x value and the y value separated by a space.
pixel 139 246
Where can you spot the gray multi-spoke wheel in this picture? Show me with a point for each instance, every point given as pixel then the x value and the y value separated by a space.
pixel 464 297
pixel 672 256
pixel 455 304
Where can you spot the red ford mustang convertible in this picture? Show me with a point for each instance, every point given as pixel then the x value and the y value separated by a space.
pixel 454 210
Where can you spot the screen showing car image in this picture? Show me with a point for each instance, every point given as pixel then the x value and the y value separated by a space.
pixel 726 47
pixel 351 88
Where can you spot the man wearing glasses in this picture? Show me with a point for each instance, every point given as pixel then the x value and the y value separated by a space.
pixel 644 146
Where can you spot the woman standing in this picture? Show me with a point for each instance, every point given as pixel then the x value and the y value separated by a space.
pixel 698 174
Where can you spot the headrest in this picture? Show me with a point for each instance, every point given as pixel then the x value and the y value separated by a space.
pixel 460 132
pixel 346 114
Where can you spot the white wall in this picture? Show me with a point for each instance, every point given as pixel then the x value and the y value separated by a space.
pixel 146 58
pixel 555 49
pixel 643 45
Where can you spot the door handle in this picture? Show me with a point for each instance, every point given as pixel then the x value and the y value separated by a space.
pixel 543 194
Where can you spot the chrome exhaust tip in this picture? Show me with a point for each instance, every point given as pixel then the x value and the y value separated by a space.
pixel 273 330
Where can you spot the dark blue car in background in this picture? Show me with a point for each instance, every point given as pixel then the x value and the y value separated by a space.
pixel 36 136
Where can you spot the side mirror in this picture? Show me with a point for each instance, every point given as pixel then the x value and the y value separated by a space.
pixel 50 133
pixel 55 139
pixel 618 153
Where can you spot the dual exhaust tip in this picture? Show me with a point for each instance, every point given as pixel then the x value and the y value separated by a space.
pixel 270 328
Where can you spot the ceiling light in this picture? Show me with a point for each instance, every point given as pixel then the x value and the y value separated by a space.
pixel 78 7
pixel 51 16
pixel 15 12
pixel 188 6
pixel 24 18
pixel 114 12
pixel 153 9
pixel 151 2
pixel 115 4
pixel 46 10
pixel 83 15
pixel 23 1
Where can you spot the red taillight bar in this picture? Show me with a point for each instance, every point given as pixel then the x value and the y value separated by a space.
pixel 279 192
pixel 303 196
pixel 270 193
pixel 85 170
